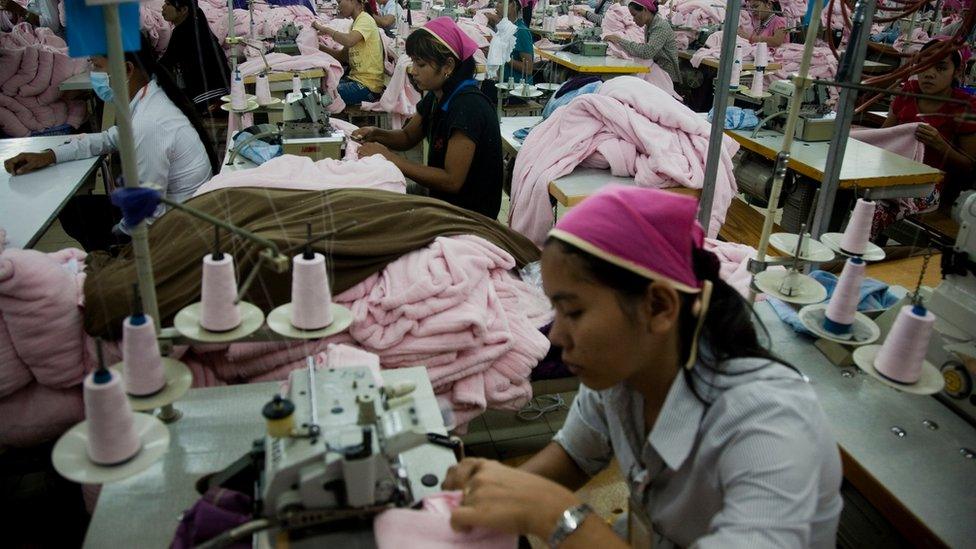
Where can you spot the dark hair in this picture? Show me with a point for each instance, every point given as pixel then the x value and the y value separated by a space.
pixel 422 45
pixel 191 4
pixel 728 331
pixel 145 60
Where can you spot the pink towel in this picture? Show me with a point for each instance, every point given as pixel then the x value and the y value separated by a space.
pixel 898 139
pixel 430 528
pixel 400 97
pixel 636 128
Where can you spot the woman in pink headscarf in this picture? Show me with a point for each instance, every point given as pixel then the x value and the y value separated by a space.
pixel 454 116
pixel 659 42
pixel 721 444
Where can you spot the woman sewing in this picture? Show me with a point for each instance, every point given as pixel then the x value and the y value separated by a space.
pixel 194 56
pixel 596 12
pixel 767 26
pixel 362 51
pixel 171 146
pixel 721 444
pixel 464 161
pixel 659 43
pixel 950 141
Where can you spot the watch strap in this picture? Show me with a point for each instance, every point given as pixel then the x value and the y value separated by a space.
pixel 568 523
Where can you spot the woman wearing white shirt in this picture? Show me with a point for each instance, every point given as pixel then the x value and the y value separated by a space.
pixel 721 444
pixel 173 150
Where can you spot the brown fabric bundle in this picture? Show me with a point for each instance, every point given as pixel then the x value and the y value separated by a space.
pixel 373 228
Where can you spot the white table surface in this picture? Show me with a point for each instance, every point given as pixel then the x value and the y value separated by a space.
pixel 592 65
pixel 30 202
pixel 510 125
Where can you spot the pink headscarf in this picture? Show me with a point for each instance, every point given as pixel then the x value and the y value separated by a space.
pixel 448 33
pixel 647 231
pixel 649 5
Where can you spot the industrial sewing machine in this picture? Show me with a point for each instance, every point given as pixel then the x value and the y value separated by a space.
pixel 816 123
pixel 588 42
pixel 285 39
pixel 450 9
pixel 333 454
pixel 952 348
pixel 305 130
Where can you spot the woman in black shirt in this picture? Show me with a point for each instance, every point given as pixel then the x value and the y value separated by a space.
pixel 464 161
pixel 193 56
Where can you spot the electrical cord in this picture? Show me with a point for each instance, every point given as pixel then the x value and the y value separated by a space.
pixel 542 405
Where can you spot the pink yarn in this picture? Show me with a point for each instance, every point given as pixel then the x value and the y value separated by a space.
pixel 311 297
pixel 762 54
pixel 430 528
pixel 262 89
pixel 237 99
pixel 847 294
pixel 903 353
pixel 112 436
pixel 140 353
pixel 220 313
pixel 858 230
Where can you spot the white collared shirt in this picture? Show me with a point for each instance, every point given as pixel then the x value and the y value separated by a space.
pixel 169 152
pixel 756 468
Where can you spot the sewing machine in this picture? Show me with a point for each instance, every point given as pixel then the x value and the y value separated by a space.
pixel 285 39
pixel 305 130
pixel 588 42
pixel 953 344
pixel 334 453
pixel 450 9
pixel 813 123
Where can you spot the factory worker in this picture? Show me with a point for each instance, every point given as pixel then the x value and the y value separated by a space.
pixel 455 117
pixel 39 13
pixel 389 12
pixel 950 141
pixel 521 63
pixel 767 25
pixel 659 43
pixel 172 148
pixel 362 51
pixel 721 445
pixel 599 9
pixel 194 56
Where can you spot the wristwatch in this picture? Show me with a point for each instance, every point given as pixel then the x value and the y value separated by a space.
pixel 571 520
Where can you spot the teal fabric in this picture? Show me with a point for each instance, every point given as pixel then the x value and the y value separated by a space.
pixel 523 44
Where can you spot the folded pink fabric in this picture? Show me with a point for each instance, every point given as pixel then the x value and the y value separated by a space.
pixel 300 172
pixel 399 98
pixel 430 528
pixel 307 60
pixel 898 139
pixel 617 20
pixel 637 129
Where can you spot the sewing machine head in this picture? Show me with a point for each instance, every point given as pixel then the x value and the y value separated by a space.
pixel 343 449
pixel 815 122
pixel 285 39
pixel 450 9
pixel 306 130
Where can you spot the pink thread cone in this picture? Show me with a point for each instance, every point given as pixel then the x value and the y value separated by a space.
pixel 144 373
pixel 311 298
pixel 855 239
pixel 112 436
pixel 903 353
pixel 237 99
pixel 847 294
pixel 262 89
pixel 734 80
pixel 296 84
pixel 220 313
pixel 762 54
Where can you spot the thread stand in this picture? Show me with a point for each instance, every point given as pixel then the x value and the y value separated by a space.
pixel 863 332
pixel 178 381
pixel 187 323
pixel 790 286
pixel 70 455
pixel 930 383
pixel 279 320
pixel 873 252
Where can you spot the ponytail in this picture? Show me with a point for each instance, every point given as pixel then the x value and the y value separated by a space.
pixel 145 60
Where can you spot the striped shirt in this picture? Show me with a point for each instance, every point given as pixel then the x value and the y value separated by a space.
pixel 659 45
pixel 758 467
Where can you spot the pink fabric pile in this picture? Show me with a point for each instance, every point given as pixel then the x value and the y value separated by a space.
pixel 913 43
pixel 152 23
pixel 571 21
pixel 898 139
pixel 399 98
pixel 480 33
pixel 42 351
pixel 430 528
pixel 33 63
pixel 634 128
pixel 618 21
pixel 308 60
pixel 300 172
pixel 696 14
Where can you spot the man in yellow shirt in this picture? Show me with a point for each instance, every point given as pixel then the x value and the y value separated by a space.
pixel 362 51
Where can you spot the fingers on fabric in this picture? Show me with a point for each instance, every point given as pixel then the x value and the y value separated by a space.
pixel 458 476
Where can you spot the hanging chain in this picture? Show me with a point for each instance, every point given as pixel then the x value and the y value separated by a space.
pixel 917 297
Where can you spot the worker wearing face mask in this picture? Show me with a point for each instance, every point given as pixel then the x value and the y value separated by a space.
pixel 172 149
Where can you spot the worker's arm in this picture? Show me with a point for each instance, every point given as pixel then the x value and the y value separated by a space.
pixel 384 21
pixel 774 41
pixel 450 178
pixel 523 65
pixel 346 39
pixel 553 463
pixel 959 159
pixel 661 36
pixel 399 140
pixel 341 56
pixel 890 120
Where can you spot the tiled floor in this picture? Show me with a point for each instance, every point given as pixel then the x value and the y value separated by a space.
pixel 502 434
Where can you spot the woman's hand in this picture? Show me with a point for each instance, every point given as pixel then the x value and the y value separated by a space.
pixel 27 162
pixel 931 138
pixel 612 39
pixel 369 149
pixel 321 29
pixel 502 498
pixel 366 134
